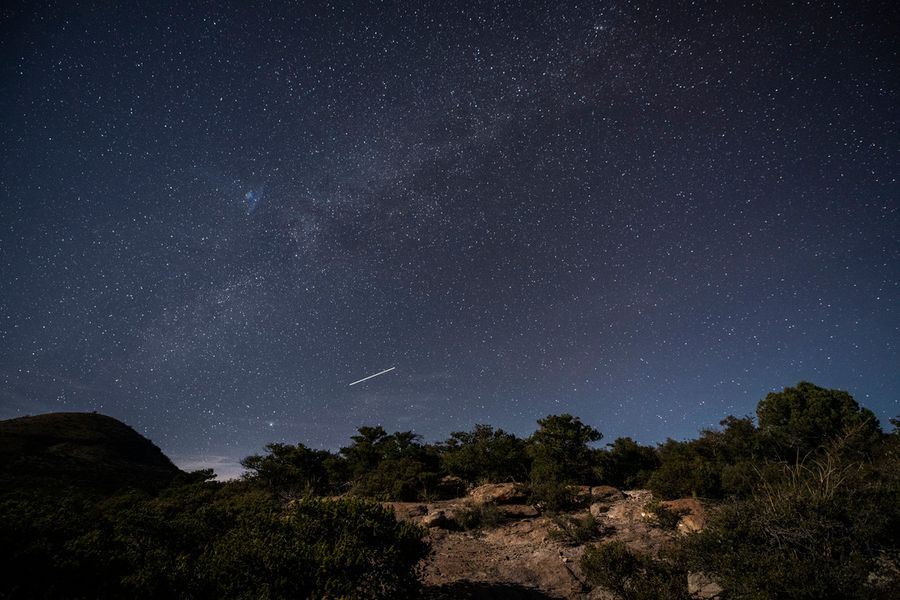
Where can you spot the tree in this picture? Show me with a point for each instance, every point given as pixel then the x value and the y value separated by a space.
pixel 721 462
pixel 366 451
pixel 560 451
pixel 800 419
pixel 627 464
pixel 288 468
pixel 393 466
pixel 686 469
pixel 485 455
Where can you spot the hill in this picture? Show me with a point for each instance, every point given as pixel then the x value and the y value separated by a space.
pixel 86 450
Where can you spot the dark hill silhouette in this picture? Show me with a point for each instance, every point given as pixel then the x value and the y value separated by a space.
pixel 85 450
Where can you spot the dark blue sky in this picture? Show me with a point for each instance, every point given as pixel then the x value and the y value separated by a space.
pixel 646 214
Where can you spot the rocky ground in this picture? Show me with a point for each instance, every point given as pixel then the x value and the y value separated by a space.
pixel 521 557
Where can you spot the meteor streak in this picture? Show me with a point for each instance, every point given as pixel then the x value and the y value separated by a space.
pixel 375 375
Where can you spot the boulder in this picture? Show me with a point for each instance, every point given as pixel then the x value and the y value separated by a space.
pixel 702 586
pixel 599 508
pixel 436 518
pixel 606 493
pixel 694 518
pixel 520 511
pixel 498 493
pixel 691 524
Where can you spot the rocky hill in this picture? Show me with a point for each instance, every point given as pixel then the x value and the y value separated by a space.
pixel 86 450
pixel 522 554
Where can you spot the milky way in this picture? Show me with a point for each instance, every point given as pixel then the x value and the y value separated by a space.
pixel 646 215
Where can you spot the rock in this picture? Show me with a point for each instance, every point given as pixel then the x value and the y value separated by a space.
pixel 499 493
pixel 606 493
pixel 599 508
pixel 437 518
pixel 520 511
pixel 405 510
pixel 581 494
pixel 621 512
pixel 691 524
pixel 694 519
pixel 700 585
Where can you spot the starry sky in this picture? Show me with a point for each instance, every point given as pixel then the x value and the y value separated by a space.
pixel 215 216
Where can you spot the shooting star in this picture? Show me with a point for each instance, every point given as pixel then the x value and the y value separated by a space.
pixel 375 375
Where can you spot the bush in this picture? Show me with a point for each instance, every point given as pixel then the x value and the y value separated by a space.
pixel 685 471
pixel 485 455
pixel 317 548
pixel 800 419
pixel 479 516
pixel 821 528
pixel 204 541
pixel 632 576
pixel 393 466
pixel 575 531
pixel 665 517
pixel 551 496
pixel 292 470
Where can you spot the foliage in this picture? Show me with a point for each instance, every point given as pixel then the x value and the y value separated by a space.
pixel 479 516
pixel 560 457
pixel 317 548
pixel 802 418
pixel 627 464
pixel 685 470
pixel 485 455
pixel 393 466
pixel 822 527
pixel 632 576
pixel 551 495
pixel 575 530
pixel 403 479
pixel 294 470
pixel 206 540
pixel 667 518
pixel 717 464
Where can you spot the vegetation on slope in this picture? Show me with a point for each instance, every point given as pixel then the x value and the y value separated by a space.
pixel 807 506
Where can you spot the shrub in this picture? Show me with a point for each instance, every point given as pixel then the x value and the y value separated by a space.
pixel 800 419
pixel 550 495
pixel 632 576
pixel 203 541
pixel 825 527
pixel 317 548
pixel 393 466
pixel 479 516
pixel 665 517
pixel 575 531
pixel 685 471
pixel 295 470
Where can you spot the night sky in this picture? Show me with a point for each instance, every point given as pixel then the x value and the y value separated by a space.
pixel 213 219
